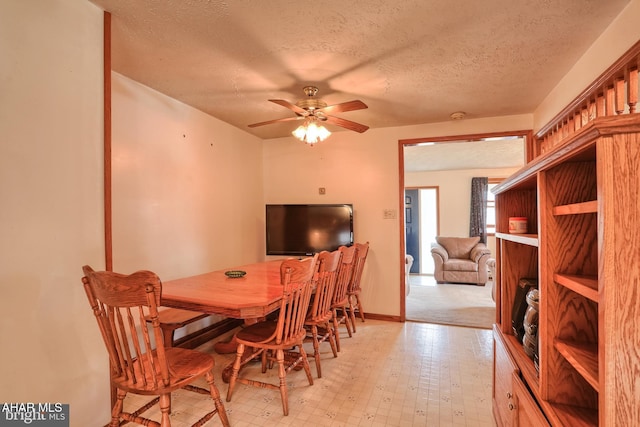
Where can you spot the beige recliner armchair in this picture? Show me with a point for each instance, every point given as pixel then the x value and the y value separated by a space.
pixel 460 260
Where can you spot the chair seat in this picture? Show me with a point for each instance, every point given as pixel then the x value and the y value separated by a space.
pixel 455 264
pixel 322 330
pixel 257 332
pixel 184 364
pixel 319 319
pixel 341 302
pixel 263 333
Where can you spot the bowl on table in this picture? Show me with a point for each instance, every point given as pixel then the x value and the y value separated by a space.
pixel 235 274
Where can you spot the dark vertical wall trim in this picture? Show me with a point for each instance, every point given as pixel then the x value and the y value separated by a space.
pixel 108 255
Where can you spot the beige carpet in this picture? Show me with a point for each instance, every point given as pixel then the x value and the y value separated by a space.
pixel 451 304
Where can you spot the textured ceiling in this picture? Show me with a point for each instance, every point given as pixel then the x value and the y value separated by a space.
pixel 411 62
pixel 487 153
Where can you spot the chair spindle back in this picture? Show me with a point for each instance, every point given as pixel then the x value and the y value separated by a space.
pixel 325 285
pixel 362 250
pixel 120 304
pixel 296 278
pixel 345 271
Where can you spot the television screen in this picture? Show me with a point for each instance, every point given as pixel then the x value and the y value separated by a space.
pixel 308 229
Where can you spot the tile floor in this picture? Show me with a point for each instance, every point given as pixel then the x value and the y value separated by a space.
pixel 387 374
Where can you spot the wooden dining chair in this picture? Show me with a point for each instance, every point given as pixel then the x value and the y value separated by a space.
pixel 275 337
pixel 319 316
pixel 362 250
pixel 140 363
pixel 340 301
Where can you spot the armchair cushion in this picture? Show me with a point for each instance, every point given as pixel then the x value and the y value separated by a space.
pixel 455 264
pixel 458 247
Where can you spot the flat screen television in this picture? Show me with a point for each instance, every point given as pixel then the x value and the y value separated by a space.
pixel 308 229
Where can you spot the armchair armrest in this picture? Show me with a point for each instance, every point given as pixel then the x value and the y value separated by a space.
pixel 478 251
pixel 439 250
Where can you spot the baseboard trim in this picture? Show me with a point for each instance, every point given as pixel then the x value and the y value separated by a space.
pixel 208 333
pixel 385 317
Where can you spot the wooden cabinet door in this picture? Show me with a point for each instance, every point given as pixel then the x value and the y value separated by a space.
pixel 503 371
pixel 528 413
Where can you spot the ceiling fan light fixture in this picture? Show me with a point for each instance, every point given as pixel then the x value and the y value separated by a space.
pixel 310 132
pixel 314 111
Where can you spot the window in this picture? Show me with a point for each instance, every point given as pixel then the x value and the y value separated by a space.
pixel 491 207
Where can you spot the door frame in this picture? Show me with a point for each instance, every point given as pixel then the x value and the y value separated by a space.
pixel 528 150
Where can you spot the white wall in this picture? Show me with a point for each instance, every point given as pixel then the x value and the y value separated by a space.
pixel 51 219
pixel 187 188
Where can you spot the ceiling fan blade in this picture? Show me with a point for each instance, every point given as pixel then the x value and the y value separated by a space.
pixel 292 107
pixel 268 122
pixel 347 124
pixel 345 106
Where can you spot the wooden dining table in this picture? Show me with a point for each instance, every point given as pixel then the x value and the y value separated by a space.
pixel 250 297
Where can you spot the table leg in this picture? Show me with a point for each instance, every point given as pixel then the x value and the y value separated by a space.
pixel 227 346
pixel 230 346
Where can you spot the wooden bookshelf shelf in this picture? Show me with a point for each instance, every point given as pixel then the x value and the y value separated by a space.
pixel 577 208
pixel 525 239
pixel 583 285
pixel 573 416
pixel 583 357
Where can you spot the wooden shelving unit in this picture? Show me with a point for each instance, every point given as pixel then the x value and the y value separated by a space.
pixel 581 200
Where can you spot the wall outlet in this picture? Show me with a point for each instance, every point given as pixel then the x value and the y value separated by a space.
pixel 389 214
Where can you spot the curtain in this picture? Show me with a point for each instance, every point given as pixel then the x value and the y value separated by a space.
pixel 478 217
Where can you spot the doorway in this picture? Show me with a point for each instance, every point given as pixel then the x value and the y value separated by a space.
pixel 443 162
pixel 421 226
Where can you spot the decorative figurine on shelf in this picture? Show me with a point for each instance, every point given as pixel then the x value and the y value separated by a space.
pixel 530 323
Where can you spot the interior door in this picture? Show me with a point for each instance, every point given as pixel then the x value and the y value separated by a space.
pixel 412 227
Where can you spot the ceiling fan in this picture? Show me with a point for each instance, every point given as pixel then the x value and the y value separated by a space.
pixel 316 109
